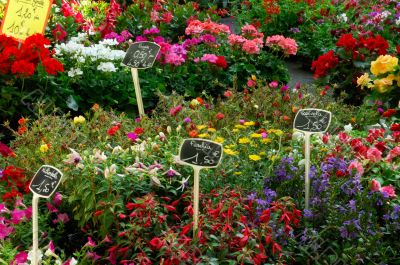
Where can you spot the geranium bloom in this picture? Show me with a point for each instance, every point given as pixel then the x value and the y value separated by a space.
pixel 23 68
pixel 324 63
pixel 389 191
pixel 58 33
pixel 5 151
pixel 52 66
pixel 347 41
pixel 374 155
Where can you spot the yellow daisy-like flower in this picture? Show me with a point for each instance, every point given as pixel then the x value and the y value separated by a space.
pixel 237 173
pixel 235 130
pixel 254 157
pixel 255 135
pixel 239 126
pixel 249 123
pixel 201 127
pixel 266 140
pixel 383 64
pixel 230 146
pixel 363 80
pixel 211 130
pixel 203 135
pixel 219 140
pixel 244 140
pixel 230 152
pixel 79 119
pixel 44 148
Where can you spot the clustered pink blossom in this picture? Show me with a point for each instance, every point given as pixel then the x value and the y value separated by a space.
pixel 196 27
pixel 211 58
pixel 385 190
pixel 251 41
pixel 288 45
pixel 122 37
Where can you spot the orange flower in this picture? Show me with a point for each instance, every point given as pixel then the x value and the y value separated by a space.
pixel 22 130
pixel 193 134
pixel 22 121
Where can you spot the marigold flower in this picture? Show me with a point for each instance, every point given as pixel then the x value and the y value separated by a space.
pixel 254 157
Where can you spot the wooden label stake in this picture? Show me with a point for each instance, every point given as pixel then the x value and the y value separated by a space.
pixel 310 121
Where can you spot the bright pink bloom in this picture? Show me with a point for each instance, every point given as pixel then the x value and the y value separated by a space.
pixel 389 190
pixel 175 110
pixel 374 155
pixel 357 166
pixel 251 83
pixel 273 84
pixel 395 152
pixel 251 47
pixel 211 58
pixel 57 199
pixel 90 242
pixel 375 185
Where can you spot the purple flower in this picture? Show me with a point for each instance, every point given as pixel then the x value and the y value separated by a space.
pixel 187 120
pixel 352 205
pixel 307 213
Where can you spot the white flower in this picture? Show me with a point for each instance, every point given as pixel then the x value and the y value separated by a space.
pixel 106 67
pixel 343 17
pixel 297 136
pixel 183 183
pixel 348 128
pixel 397 21
pixel 109 42
pixel 99 157
pixel 178 128
pixel 39 255
pixel 301 162
pixel 74 72
pixel 109 171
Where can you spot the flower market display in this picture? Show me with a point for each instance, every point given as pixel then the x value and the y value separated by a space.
pixel 290 174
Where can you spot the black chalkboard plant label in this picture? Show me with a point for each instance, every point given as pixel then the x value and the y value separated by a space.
pixel 200 153
pixel 141 55
pixel 312 120
pixel 45 181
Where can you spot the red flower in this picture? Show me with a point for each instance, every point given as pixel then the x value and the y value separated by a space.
pixel 347 42
pixel 324 63
pixel 395 127
pixel 138 130
pixel 389 112
pixel 398 49
pixel 156 243
pixel 219 116
pixel 58 33
pixel 52 66
pixel 113 130
pixel 221 62
pixel 5 151
pixel 23 68
pixel 193 134
pixel 22 130
pixel 228 93
pixel 22 121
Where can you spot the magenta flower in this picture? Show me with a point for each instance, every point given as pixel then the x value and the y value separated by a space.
pixel 17 215
pixel 187 120
pixel 175 110
pixel 61 218
pixel 151 31
pixel 90 243
pixel 132 136
pixel 92 255
pixel 273 84
pixel 57 199
pixel 5 230
pixel 20 258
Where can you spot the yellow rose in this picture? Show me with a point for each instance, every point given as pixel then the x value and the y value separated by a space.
pixel 44 148
pixel 79 119
pixel 383 64
pixel 383 85
pixel 363 80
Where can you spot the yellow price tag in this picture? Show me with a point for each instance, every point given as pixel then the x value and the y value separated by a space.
pixel 24 18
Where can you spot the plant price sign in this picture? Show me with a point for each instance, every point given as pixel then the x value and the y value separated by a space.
pixel 24 18
pixel 45 181
pixel 141 55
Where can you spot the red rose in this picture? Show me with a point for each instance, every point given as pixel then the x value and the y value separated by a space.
pixel 221 62
pixel 52 66
pixel 156 243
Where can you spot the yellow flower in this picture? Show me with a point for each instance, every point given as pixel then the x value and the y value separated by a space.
pixel 254 77
pixel 219 140
pixel 383 85
pixel 255 157
pixel 383 64
pixel 244 140
pixel 194 102
pixel 262 154
pixel 363 80
pixel 275 131
pixel 44 148
pixel 235 130
pixel 237 173
pixel 249 123
pixel 266 140
pixel 255 135
pixel 239 126
pixel 211 130
pixel 230 152
pixel 201 127
pixel 203 135
pixel 79 119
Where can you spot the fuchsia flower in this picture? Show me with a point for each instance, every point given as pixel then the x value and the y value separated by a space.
pixel 132 136
pixel 57 199
pixel 90 243
pixel 20 258
pixel 175 110
pixel 251 83
pixel 273 84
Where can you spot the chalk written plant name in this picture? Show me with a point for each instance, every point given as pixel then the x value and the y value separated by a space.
pixel 312 120
pixel 141 55
pixel 201 153
pixel 45 181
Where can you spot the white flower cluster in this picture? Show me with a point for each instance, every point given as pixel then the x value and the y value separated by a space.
pixel 104 52
pixel 343 17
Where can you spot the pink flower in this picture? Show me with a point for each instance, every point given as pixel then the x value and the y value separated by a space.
pixel 251 47
pixel 5 231
pixel 132 136
pixel 357 166
pixel 20 258
pixel 375 185
pixel 17 216
pixel 61 218
pixel 175 110
pixel 389 190
pixel 395 152
pixel 174 58
pixel 273 84
pixel 235 40
pixel 228 93
pixel 374 155
pixel 90 242
pixel 51 208
pixel 211 58
pixel 251 83
pixel 57 199
pixel 151 31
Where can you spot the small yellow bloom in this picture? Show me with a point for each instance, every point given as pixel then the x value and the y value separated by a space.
pixel 383 64
pixel 239 126
pixel 255 135
pixel 277 132
pixel 235 130
pixel 244 140
pixel 237 173
pixel 383 85
pixel 203 135
pixel 262 154
pixel 230 152
pixel 79 119
pixel 44 148
pixel 254 77
pixel 266 140
pixel 230 146
pixel 249 123
pixel 255 157
pixel 219 140
pixel 363 80
pixel 211 130
pixel 194 102
pixel 273 157
pixel 201 127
